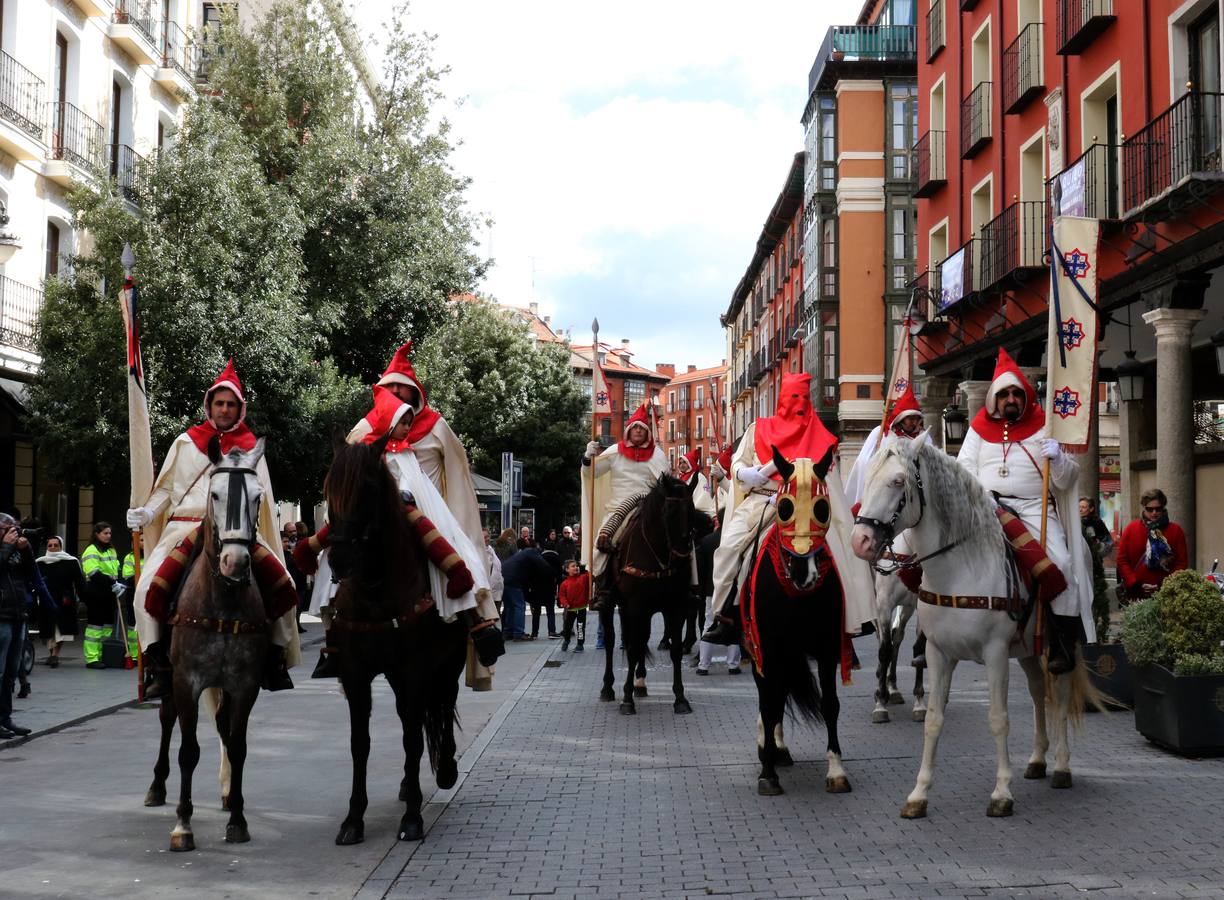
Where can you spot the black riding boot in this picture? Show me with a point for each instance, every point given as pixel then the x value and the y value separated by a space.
pixel 157 674
pixel 726 629
pixel 486 637
pixel 276 673
pixel 1064 634
pixel 328 665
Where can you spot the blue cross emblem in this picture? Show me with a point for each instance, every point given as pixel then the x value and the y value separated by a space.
pixel 900 385
pixel 1066 402
pixel 1071 332
pixel 1076 263
pixel 601 398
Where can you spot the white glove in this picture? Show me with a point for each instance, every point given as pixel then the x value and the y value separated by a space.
pixel 717 473
pixel 1051 449
pixel 139 517
pixel 593 450
pixel 752 476
pixel 118 589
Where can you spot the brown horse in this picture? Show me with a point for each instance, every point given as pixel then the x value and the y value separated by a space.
pixel 219 643
pixel 385 622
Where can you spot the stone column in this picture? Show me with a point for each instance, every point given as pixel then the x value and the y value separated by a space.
pixel 974 393
pixel 1130 419
pixel 1174 413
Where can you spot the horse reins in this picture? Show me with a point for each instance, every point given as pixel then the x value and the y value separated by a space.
pixel 235 502
pixel 889 528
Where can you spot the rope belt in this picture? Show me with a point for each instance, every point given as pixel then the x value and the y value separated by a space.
pixel 219 625
pixel 423 606
pixel 1013 605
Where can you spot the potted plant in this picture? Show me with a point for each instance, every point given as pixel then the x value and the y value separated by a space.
pixel 1174 642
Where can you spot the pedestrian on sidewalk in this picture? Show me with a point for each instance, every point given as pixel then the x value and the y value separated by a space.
pixel 100 563
pixel 542 594
pixel 519 573
pixel 573 596
pixel 1151 548
pixel 66 583
pixel 17 577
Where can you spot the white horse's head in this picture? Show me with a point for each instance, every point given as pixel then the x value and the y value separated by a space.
pixel 892 497
pixel 234 496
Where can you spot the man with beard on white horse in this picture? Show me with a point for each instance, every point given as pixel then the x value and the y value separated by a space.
pixel 895 597
pixel 1005 450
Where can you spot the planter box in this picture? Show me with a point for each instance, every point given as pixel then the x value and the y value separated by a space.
pixel 1111 672
pixel 1184 714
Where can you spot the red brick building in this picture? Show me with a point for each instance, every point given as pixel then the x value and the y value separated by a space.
pixel 692 412
pixel 1113 109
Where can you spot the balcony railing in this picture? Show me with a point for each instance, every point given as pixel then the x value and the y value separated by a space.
pixel 931 163
pixel 76 138
pixel 1080 21
pixel 976 127
pixel 1022 79
pixel 925 290
pixel 1013 241
pixel 178 51
pixel 126 168
pixel 935 29
pixel 1181 145
pixel 21 96
pixel 138 14
pixel 853 45
pixel 19 307
pixel 1088 186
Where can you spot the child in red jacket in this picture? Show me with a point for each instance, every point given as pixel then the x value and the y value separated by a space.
pixel 573 596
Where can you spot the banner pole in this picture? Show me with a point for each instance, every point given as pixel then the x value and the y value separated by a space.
pixel 589 525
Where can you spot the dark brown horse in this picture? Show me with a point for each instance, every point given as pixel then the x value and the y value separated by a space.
pixel 653 565
pixel 385 623
pixel 219 643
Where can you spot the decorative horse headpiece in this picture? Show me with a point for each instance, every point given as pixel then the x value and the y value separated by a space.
pixel 803 503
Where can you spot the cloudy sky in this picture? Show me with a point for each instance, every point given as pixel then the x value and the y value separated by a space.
pixel 627 154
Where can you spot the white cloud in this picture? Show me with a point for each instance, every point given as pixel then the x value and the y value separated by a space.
pixel 589 131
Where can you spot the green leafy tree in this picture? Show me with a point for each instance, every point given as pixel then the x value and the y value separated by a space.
pixel 502 390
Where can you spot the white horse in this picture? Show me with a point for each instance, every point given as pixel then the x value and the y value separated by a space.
pixel 895 605
pixel 969 606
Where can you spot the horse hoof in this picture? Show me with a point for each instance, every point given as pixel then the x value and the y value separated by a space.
pixel 914 809
pixel 237 834
pixel 768 787
pixel 180 843
pixel 895 698
pixel 1061 779
pixel 879 716
pixel 155 798
pixel 411 829
pixel 999 809
pixel 639 691
pixel 627 709
pixel 448 774
pixel 919 715
pixel 838 785
pixel 783 758
pixel 1035 770
pixel 350 834
pixel 225 802
pixel 682 707
pixel 607 694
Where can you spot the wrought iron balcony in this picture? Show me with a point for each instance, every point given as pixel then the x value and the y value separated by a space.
pixel 179 52
pixel 19 308
pixel 976 127
pixel 76 138
pixel 931 163
pixel 134 28
pixel 138 14
pixel 1022 78
pixel 924 288
pixel 935 39
pixel 21 96
pixel 1088 186
pixel 126 168
pixel 877 49
pixel 1080 21
pixel 1013 242
pixel 1177 152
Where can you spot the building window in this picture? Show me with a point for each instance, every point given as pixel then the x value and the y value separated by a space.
pixel 827 117
pixel 902 129
pixel 828 257
pixel 700 432
pixel 828 359
pixel 635 394
pixel 902 223
pixel 53 250
pixel 700 396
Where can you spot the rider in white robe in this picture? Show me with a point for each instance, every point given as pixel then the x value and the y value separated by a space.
pixel 703 496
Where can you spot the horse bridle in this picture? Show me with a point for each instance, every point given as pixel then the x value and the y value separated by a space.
pixel 235 502
pixel 673 555
pixel 889 530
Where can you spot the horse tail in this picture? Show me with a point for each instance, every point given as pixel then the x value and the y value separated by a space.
pixel 1081 693
pixel 790 662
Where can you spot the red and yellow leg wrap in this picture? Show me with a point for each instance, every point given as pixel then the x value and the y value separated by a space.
pixel 1031 558
pixel 272 578
pixel 440 552
pixel 166 579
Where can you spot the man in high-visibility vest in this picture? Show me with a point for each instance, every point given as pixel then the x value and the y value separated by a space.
pixel 100 564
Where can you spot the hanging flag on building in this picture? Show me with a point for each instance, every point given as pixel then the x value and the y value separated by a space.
pixel 1071 354
pixel 140 443
pixel 902 369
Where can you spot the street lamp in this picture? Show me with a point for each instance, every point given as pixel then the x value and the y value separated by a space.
pixel 956 423
pixel 1129 373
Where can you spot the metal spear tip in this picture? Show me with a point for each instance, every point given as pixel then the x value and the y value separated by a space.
pixel 595 325
pixel 128 259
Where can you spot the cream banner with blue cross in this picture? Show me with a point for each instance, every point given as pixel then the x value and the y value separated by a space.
pixel 1071 354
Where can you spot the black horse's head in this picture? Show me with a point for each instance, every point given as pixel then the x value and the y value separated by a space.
pixel 364 510
pixel 804 513
pixel 669 508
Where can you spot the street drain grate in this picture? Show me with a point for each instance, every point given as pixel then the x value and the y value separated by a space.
pixel 553 663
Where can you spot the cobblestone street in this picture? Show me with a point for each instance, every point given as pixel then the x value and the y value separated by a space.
pixel 572 799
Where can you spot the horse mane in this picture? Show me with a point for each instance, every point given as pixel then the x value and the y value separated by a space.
pixel 965 511
pixel 351 470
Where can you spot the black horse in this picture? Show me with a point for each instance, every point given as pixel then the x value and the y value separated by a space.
pixel 653 571
pixel 386 624
pixel 793 612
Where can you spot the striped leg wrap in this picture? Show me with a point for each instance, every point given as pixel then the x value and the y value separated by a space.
pixel 166 579
pixel 440 552
pixel 1030 558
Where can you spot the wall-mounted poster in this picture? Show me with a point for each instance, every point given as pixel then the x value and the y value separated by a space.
pixel 952 279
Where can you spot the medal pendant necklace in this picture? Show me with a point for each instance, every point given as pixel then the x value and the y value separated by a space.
pixel 1003 470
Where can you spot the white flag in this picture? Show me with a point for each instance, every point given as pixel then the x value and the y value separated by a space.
pixel 601 400
pixel 1071 352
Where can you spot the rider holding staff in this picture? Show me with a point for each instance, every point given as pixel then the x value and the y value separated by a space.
pixel 171 521
pixel 626 469
pixel 797 433
pixel 1006 449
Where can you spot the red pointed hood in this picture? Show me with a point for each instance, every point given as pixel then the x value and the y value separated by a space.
pixel 794 430
pixel 643 453
pixel 387 412
pixel 400 371
pixel 724 459
pixel 239 435
pixel 990 425
pixel 693 458
pixel 906 405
